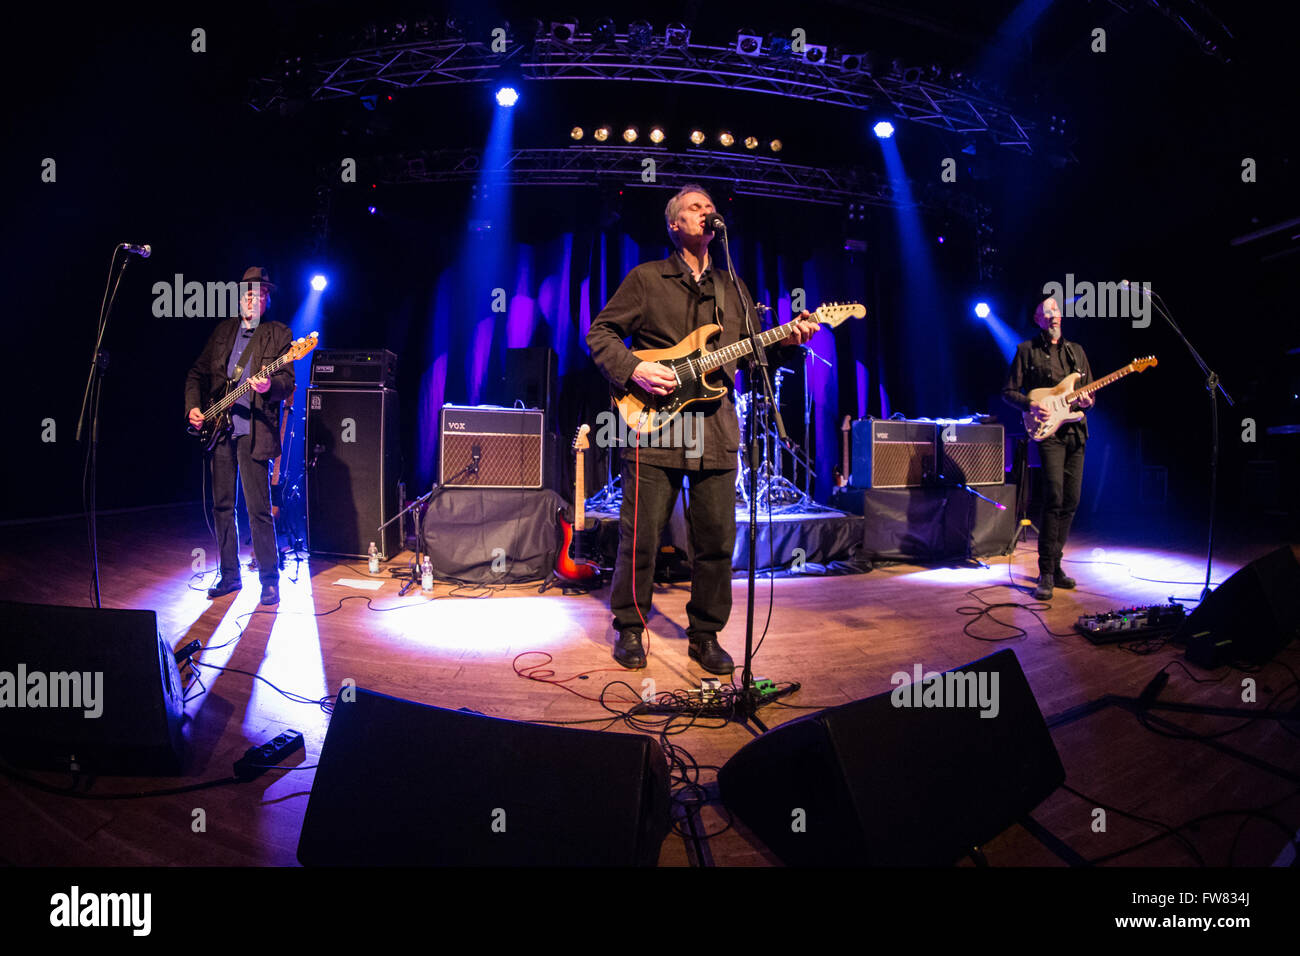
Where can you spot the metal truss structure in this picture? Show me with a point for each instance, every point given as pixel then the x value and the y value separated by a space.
pixel 846 80
pixel 741 174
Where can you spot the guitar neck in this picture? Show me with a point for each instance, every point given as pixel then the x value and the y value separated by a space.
pixel 1088 389
pixel 738 350
pixel 579 496
pixel 231 397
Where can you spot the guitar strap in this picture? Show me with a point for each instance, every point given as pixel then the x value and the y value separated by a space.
pixel 719 297
pixel 243 357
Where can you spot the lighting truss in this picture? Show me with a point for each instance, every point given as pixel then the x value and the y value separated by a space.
pixel 740 174
pixel 441 62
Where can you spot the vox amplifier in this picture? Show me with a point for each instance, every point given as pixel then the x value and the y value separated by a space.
pixel 484 446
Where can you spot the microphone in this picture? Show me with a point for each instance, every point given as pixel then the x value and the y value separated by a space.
pixel 475 455
pixel 315 453
pixel 714 223
pixel 142 251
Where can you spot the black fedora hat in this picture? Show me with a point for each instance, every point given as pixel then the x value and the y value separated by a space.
pixel 259 274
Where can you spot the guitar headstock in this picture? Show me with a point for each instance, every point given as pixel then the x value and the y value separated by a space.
pixel 833 313
pixel 1142 364
pixel 847 424
pixel 302 346
pixel 580 442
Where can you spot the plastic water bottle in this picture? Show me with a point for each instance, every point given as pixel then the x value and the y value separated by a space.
pixel 374 558
pixel 426 581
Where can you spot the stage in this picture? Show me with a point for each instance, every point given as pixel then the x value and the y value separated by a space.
pixel 840 637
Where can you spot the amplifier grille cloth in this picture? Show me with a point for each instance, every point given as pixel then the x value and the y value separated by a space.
pixel 901 464
pixel 979 462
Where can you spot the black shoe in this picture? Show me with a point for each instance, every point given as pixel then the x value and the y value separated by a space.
pixel 628 650
pixel 270 594
pixel 225 584
pixel 1044 590
pixel 709 654
pixel 1063 580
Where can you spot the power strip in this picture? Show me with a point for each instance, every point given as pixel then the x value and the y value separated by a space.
pixel 257 760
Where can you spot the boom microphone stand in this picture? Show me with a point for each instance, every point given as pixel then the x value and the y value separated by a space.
pixel 750 699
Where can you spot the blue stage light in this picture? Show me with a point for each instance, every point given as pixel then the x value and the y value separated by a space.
pixel 982 309
pixel 318 282
pixel 507 96
pixel 884 129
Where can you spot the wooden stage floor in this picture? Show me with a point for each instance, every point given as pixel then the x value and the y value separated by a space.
pixel 841 638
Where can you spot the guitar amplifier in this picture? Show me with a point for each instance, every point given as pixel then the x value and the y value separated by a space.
pixel 892 454
pixel 488 447
pixel 358 368
pixel 973 454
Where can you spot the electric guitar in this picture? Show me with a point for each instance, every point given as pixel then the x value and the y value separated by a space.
pixel 217 422
pixel 690 362
pixel 1057 401
pixel 570 565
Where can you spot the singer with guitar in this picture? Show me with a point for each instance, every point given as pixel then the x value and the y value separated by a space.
pixel 237 349
pixel 658 305
pixel 1042 362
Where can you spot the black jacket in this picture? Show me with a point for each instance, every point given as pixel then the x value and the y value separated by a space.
pixel 208 376
pixel 1033 367
pixel 657 306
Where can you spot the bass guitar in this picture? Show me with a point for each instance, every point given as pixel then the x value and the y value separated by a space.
pixel 690 362
pixel 217 422
pixel 571 565
pixel 1056 401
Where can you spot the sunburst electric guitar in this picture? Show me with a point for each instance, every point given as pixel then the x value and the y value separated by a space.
pixel 1057 401
pixel 690 362
pixel 216 418
pixel 571 565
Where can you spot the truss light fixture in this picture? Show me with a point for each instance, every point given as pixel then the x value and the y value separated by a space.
pixel 603 31
pixel 563 30
pixel 883 130
pixel 697 136
pixel 640 34
pixel 630 134
pixel 725 138
pixel 576 133
pixel 601 134
pixel 751 142
pixel 776 145
pixel 814 54
pixel 657 134
pixel 749 43
pixel 677 35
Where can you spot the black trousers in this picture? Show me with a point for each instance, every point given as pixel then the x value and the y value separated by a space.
pixel 1062 457
pixel 232 460
pixel 711 518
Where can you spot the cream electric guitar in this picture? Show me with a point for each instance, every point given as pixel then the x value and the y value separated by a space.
pixel 1057 401
pixel 690 362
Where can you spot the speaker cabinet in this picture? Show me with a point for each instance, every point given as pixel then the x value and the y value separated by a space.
pixel 972 454
pixel 406 784
pixel 892 454
pixel 1249 617
pixel 97 689
pixel 876 783
pixel 353 457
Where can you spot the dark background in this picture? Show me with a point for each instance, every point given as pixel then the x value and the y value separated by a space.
pixel 157 144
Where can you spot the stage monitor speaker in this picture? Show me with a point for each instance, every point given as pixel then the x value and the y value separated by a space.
pixel 89 689
pixel 531 378
pixel 972 454
pixel 895 780
pixel 353 458
pixel 406 784
pixel 486 447
pixel 1249 617
pixel 892 454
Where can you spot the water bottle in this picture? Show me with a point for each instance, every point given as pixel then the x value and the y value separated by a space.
pixel 426 582
pixel 374 558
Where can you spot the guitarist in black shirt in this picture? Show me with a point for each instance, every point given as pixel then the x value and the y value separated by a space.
pixel 238 347
pixel 1041 362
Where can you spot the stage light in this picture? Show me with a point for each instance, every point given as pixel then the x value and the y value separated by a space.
pixel 779 47
pixel 601 134
pixel 603 31
pixel 576 132
pixel 883 130
pixel 749 43
pixel 982 309
pixel 725 138
pixel 507 96
pixel 640 34
pixel 851 62
pixel 677 35
pixel 939 239
pixel 630 134
pixel 563 32
pixel 656 135
pixel 372 210
pixel 697 136
pixel 318 281
pixel 776 145
pixel 814 54
pixel 751 142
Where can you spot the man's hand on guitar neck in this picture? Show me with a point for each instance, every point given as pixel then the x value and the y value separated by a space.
pixel 654 378
pixel 801 331
pixel 261 384
pixel 196 418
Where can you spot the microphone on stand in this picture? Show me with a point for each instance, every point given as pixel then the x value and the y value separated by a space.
pixel 475 456
pixel 714 223
pixel 144 251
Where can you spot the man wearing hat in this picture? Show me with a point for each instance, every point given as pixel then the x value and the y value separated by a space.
pixel 238 348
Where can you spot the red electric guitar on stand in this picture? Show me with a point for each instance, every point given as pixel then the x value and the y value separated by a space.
pixel 572 565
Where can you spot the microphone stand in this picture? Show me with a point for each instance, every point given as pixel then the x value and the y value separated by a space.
pixel 1214 387
pixel 89 416
pixel 750 699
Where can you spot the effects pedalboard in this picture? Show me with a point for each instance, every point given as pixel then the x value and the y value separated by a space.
pixel 1130 623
